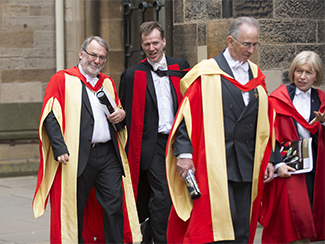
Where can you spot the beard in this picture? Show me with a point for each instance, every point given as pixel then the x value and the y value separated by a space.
pixel 91 68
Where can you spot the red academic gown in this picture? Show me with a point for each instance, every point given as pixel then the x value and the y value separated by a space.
pixel 137 113
pixel 286 213
pixel 208 219
pixel 63 97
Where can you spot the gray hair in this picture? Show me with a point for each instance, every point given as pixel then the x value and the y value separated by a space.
pixel 234 28
pixel 100 40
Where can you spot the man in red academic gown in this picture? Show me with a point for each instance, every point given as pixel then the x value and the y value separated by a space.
pixel 150 94
pixel 228 119
pixel 83 158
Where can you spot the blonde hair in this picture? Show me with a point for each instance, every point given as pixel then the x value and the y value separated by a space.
pixel 313 60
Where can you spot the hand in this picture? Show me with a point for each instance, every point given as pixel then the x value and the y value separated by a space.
pixel 269 173
pixel 64 158
pixel 283 171
pixel 117 116
pixel 319 117
pixel 183 165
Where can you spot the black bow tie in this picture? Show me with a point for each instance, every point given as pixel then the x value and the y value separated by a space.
pixel 162 73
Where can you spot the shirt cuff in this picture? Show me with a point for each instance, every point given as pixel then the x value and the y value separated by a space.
pixel 278 165
pixel 185 155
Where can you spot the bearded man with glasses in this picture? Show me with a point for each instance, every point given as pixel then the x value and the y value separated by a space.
pixel 82 156
pixel 229 123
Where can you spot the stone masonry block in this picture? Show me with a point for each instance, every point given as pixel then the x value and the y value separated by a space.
pixel 21 92
pixel 287 31
pixel 16 10
pixel 178 11
pixel 116 78
pixel 48 10
pixel 19 39
pixel 27 75
pixel 19 117
pixel 216 36
pixel 11 63
pixel 306 9
pixel 1 17
pixel 113 34
pixel 202 10
pixel 114 62
pixel 318 48
pixel 276 56
pixel 273 79
pixel 256 8
pixel 185 42
pixel 10 52
pixel 44 39
pixel 18 151
pixel 202 32
pixel 112 9
pixel 40 63
pixel 29 23
pixel 285 77
pixel 48 52
pixel 36 10
pixel 321 31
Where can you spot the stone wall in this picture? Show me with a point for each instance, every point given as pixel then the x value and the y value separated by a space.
pixel 27 49
pixel 287 27
pixel 27 61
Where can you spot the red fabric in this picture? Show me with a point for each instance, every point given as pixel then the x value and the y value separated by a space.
pixel 258 80
pixel 198 228
pixel 55 201
pixel 286 213
pixel 136 127
pixel 74 71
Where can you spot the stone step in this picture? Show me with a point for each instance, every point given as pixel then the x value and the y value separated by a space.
pixel 21 167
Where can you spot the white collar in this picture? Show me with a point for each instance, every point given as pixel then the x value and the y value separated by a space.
pixel 162 64
pixel 89 79
pixel 300 92
pixel 234 64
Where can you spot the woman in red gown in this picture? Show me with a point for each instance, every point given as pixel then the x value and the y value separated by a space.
pixel 293 204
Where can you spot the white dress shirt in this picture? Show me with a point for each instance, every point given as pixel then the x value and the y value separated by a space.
pixel 164 97
pixel 240 71
pixel 301 101
pixel 101 133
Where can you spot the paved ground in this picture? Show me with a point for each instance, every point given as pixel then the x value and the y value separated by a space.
pixel 17 223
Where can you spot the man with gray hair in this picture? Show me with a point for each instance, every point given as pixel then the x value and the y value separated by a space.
pixel 82 155
pixel 225 109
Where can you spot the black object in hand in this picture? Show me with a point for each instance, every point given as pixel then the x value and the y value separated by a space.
pixel 104 100
pixel 191 184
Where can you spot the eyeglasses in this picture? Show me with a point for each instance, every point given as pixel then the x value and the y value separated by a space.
pixel 94 56
pixel 248 45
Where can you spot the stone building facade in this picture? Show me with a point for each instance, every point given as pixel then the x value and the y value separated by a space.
pixel 195 29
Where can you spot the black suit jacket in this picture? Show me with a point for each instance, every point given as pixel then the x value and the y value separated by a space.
pixel 150 126
pixel 240 123
pixel 86 130
pixel 240 128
